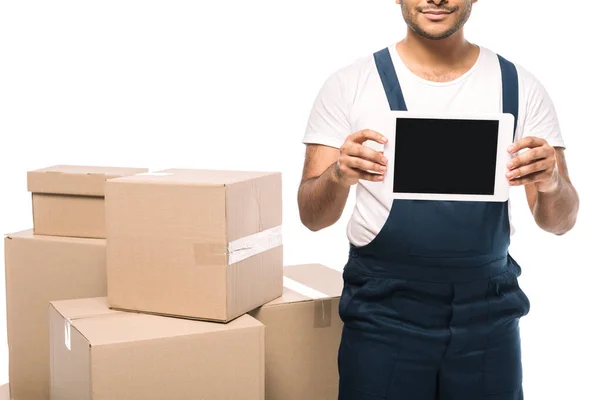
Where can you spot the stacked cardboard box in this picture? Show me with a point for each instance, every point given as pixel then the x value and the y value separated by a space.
pixel 98 353
pixel 303 334
pixel 194 243
pixel 49 262
pixel 194 300
pixel 68 200
pixel 40 269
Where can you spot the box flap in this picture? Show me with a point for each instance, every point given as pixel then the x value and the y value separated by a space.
pixel 130 327
pixel 83 308
pixel 100 325
pixel 203 177
pixel 308 282
pixel 75 179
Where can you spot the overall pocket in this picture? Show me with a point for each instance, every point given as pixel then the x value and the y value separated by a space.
pixel 514 270
pixel 354 284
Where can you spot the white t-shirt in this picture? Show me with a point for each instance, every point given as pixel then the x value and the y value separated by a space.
pixel 344 102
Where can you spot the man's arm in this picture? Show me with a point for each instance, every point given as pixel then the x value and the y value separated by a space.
pixel 330 172
pixel 556 210
pixel 321 197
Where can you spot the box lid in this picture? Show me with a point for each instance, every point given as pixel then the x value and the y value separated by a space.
pixel 101 325
pixel 201 177
pixel 306 282
pixel 75 179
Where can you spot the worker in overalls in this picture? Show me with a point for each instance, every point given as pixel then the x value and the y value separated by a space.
pixel 431 301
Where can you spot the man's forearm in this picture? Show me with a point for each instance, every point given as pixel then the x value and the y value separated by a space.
pixel 322 200
pixel 556 211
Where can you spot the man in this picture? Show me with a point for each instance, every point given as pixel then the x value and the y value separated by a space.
pixel 431 301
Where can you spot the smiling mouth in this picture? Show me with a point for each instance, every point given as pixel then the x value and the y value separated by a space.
pixel 436 15
pixel 436 12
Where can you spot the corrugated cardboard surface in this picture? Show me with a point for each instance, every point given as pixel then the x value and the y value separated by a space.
pixel 138 356
pixel 68 215
pixel 167 242
pixel 302 344
pixel 75 179
pixel 40 269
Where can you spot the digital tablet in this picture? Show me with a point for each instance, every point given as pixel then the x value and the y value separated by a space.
pixel 448 157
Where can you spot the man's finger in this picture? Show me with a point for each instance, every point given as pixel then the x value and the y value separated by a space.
pixel 528 169
pixel 526 142
pixel 367 134
pixel 367 153
pixel 527 157
pixel 365 165
pixel 531 178
pixel 369 176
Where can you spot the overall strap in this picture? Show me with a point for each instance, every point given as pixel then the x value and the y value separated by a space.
pixel 389 79
pixel 510 89
pixel 393 91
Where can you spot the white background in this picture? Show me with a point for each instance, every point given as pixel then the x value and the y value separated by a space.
pixel 229 85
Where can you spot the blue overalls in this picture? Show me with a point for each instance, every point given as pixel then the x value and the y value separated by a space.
pixel 431 306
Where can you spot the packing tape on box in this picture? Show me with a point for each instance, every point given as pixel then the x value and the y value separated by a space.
pixel 322 315
pixel 68 334
pixel 238 250
pixel 249 246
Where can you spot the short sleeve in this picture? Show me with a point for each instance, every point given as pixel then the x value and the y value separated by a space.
pixel 540 119
pixel 329 122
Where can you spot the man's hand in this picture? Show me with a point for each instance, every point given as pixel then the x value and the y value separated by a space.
pixel 535 166
pixel 356 161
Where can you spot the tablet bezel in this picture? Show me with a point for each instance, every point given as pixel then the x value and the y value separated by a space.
pixel 505 138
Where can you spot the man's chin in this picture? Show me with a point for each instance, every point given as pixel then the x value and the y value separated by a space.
pixel 434 34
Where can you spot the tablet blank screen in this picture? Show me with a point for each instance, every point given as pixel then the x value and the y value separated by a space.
pixel 445 156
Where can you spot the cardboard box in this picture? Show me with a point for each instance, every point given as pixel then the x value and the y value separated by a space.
pixel 102 354
pixel 40 269
pixel 303 335
pixel 198 244
pixel 68 200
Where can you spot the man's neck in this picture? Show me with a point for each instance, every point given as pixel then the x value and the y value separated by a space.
pixel 447 57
